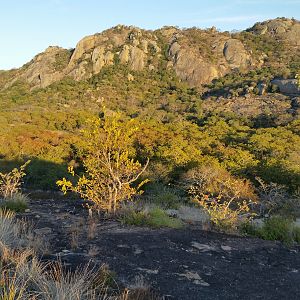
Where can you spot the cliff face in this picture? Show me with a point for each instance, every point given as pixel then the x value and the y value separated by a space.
pixel 197 56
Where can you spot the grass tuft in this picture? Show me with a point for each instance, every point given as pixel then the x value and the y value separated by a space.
pixel 18 203
pixel 155 218
pixel 276 228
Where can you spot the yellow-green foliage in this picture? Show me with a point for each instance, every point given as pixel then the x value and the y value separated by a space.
pixel 276 228
pixel 110 169
pixel 227 200
pixel 10 183
pixel 298 79
pixel 44 125
pixel 226 214
pixel 155 218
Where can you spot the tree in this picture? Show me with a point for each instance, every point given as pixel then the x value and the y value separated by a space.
pixel 108 159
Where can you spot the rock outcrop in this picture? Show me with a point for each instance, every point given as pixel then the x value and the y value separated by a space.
pixel 283 29
pixel 287 86
pixel 45 68
pixel 236 54
pixel 197 56
pixel 190 65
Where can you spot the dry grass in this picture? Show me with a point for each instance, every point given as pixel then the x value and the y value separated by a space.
pixel 13 232
pixel 92 228
pixel 24 277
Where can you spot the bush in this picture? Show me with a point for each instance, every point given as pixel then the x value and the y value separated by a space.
pixel 110 170
pixel 277 228
pixel 162 195
pixel 275 199
pixel 214 180
pixel 10 183
pixel 226 199
pixel 155 218
pixel 158 218
pixel 136 218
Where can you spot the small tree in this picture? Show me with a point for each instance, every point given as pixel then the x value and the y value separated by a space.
pixel 226 199
pixel 10 183
pixel 107 156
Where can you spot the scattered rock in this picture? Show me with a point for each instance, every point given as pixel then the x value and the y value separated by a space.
pixel 203 247
pixel 123 246
pixel 195 278
pixel 258 222
pixel 284 29
pixel 297 222
pixel 148 271
pixel 226 248
pixel 137 250
pixel 43 231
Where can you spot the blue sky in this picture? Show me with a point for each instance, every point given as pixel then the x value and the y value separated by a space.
pixel 27 27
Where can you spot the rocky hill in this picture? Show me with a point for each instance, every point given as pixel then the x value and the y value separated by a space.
pixel 200 95
pixel 197 56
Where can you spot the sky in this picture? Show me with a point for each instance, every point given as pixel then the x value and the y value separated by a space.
pixel 28 27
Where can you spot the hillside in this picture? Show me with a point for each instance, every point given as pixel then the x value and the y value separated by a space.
pixel 153 165
pixel 211 90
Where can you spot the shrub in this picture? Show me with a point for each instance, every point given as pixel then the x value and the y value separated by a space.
pixel 226 214
pixel 226 199
pixel 155 218
pixel 158 218
pixel 277 228
pixel 10 183
pixel 136 218
pixel 274 198
pixel 162 195
pixel 214 180
pixel 110 169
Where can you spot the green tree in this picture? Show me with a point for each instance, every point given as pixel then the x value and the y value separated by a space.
pixel 108 159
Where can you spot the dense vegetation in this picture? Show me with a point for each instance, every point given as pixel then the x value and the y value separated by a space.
pixel 174 131
pixel 44 124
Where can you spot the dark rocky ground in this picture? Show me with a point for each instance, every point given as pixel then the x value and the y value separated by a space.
pixel 179 264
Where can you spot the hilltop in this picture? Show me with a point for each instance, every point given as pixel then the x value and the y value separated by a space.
pixel 197 56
